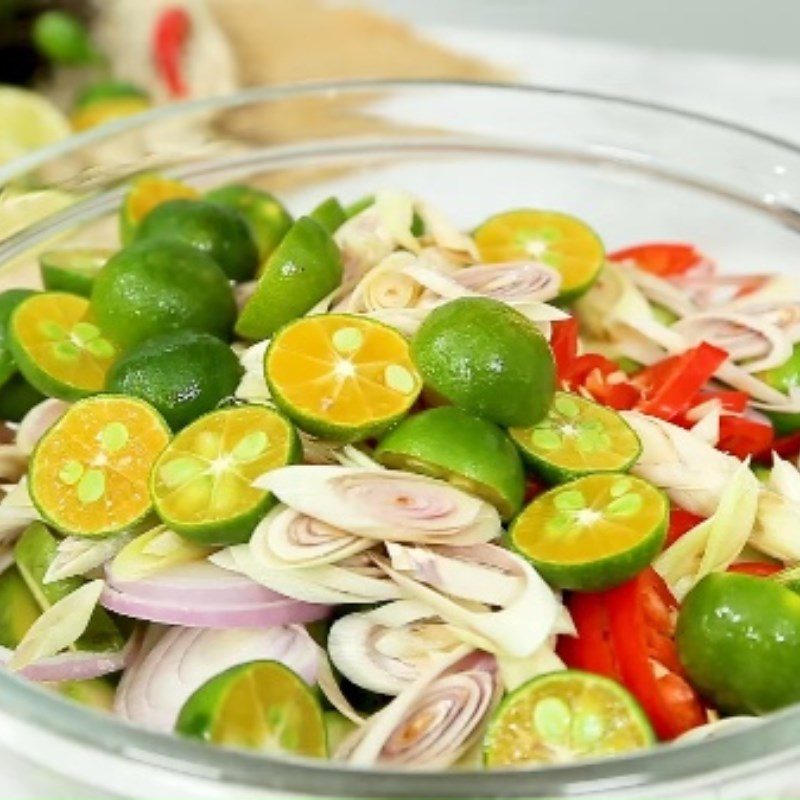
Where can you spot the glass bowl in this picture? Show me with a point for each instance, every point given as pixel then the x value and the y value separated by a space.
pixel 634 171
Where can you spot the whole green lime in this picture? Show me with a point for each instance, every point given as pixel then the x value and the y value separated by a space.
pixel 305 267
pixel 159 285
pixel 488 359
pixel 9 300
pixel 182 374
pixel 469 452
pixel 738 638
pixel 784 378
pixel 217 230
pixel 263 212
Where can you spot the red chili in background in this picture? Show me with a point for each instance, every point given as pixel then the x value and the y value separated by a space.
pixel 626 633
pixel 170 34
pixel 666 259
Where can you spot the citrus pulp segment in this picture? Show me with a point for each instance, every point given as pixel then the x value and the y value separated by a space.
pixel 202 483
pixel 594 532
pixel 577 437
pixel 261 705
pixel 58 346
pixel 561 241
pixel 89 473
pixel 341 376
pixel 565 716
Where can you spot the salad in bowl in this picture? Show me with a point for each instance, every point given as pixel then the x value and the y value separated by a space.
pixel 366 487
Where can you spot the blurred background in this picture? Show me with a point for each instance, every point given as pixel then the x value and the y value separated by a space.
pixel 94 62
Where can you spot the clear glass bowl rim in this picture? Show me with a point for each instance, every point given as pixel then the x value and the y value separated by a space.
pixel 776 738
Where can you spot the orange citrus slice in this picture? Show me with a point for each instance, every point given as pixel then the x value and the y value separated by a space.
pixel 89 474
pixel 341 377
pixel 58 347
pixel 562 242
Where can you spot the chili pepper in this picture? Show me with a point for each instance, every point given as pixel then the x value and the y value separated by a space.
pixel 170 33
pixel 680 521
pixel 663 259
pixel 671 385
pixel 564 344
pixel 759 569
pixel 743 437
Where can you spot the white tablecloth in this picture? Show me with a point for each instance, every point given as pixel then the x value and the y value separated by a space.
pixel 762 93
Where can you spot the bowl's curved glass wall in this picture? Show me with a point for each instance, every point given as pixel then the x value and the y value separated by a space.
pixel 633 171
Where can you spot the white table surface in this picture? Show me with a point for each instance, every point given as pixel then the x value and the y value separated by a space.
pixel 762 93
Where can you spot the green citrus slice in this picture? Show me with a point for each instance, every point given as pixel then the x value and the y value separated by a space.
pixel 58 348
pixel 563 242
pixel 594 532
pixel 261 705
pixel 341 377
pixel 202 483
pixel 72 270
pixel 577 437
pixel 565 716
pixel 304 268
pixel 89 473
pixel 468 451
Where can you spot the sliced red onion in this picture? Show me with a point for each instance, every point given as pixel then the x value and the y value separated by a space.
pixel 435 720
pixel 173 663
pixel 201 595
pixel 71 666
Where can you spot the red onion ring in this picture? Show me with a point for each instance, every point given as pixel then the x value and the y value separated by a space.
pixel 276 612
pixel 185 595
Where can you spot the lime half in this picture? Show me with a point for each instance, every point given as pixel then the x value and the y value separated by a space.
pixel 559 240
pixel 261 705
pixel 469 452
pixel 72 270
pixel 202 483
pixel 562 717
pixel 594 532
pixel 577 437
pixel 304 268
pixel 57 347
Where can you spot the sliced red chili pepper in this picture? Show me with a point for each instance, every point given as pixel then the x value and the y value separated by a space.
pixel 680 521
pixel 620 395
pixel 674 385
pixel 564 344
pixel 743 437
pixel 661 258
pixel 603 380
pixel 729 399
pixel 591 649
pixel 785 447
pixel 638 639
pixel 532 488
pixel 759 569
pixel 171 31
